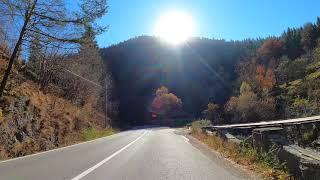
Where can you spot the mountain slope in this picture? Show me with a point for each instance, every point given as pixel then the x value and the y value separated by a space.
pixel 199 71
pixel 34 119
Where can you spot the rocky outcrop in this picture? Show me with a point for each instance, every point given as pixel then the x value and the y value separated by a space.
pixel 303 163
pixel 264 138
pixel 20 127
pixel 33 121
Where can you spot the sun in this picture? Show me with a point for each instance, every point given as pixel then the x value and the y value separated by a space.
pixel 175 27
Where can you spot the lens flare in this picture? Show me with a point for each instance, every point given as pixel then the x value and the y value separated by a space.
pixel 174 27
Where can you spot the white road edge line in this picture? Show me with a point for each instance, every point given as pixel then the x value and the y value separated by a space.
pixel 56 149
pixel 186 139
pixel 86 172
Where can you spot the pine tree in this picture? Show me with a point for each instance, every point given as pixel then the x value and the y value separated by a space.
pixel 35 56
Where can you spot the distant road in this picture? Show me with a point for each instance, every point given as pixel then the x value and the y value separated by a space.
pixel 150 154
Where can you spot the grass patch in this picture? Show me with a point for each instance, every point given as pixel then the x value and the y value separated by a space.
pixel 196 125
pixel 266 164
pixel 93 133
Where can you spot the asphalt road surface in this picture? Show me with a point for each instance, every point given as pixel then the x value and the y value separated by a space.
pixel 153 153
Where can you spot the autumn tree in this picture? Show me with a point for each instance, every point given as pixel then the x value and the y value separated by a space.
pixel 290 70
pixel 166 103
pixel 245 87
pixel 55 25
pixel 271 48
pixel 249 107
pixel 265 78
pixel 247 71
pixel 213 113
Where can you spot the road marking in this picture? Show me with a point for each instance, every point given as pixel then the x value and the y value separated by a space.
pixel 57 149
pixel 186 139
pixel 86 172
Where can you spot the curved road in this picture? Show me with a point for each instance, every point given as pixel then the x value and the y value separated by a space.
pixel 154 153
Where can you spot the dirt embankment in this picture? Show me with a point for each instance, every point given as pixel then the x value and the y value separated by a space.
pixel 32 120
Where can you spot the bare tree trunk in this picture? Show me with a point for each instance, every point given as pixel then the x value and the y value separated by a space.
pixel 16 48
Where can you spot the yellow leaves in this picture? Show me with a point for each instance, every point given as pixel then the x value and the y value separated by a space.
pixel 1 116
pixel 300 102
pixel 161 91
pixel 245 87
pixel 213 107
pixel 249 106
pixel 232 104
pixel 313 76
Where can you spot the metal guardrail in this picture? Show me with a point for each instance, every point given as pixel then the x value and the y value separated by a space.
pixel 267 123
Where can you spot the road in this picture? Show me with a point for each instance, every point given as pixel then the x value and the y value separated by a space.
pixel 154 153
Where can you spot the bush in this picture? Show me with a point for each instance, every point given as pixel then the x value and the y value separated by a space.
pixel 267 164
pixel 196 125
pixel 213 113
pixel 270 159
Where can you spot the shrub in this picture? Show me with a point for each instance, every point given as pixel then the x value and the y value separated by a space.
pixel 213 113
pixel 196 125
pixel 270 159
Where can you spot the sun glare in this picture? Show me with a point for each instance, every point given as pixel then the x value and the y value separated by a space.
pixel 174 27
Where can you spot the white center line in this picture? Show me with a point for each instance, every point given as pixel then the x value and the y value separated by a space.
pixel 86 172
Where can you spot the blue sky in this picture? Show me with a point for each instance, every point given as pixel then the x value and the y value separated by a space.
pixel 227 19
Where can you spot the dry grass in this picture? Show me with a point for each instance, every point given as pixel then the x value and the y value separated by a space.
pixel 60 116
pixel 243 155
pixel 59 109
pixel 61 122
pixel 56 122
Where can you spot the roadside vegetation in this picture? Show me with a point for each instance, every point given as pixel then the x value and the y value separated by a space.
pixel 53 79
pixel 56 81
pixel 266 164
pixel 93 133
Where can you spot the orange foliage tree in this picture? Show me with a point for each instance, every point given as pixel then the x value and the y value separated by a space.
pixel 265 78
pixel 166 103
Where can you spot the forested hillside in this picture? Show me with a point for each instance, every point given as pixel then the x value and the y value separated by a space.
pixel 226 81
pixel 200 71
pixel 280 79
